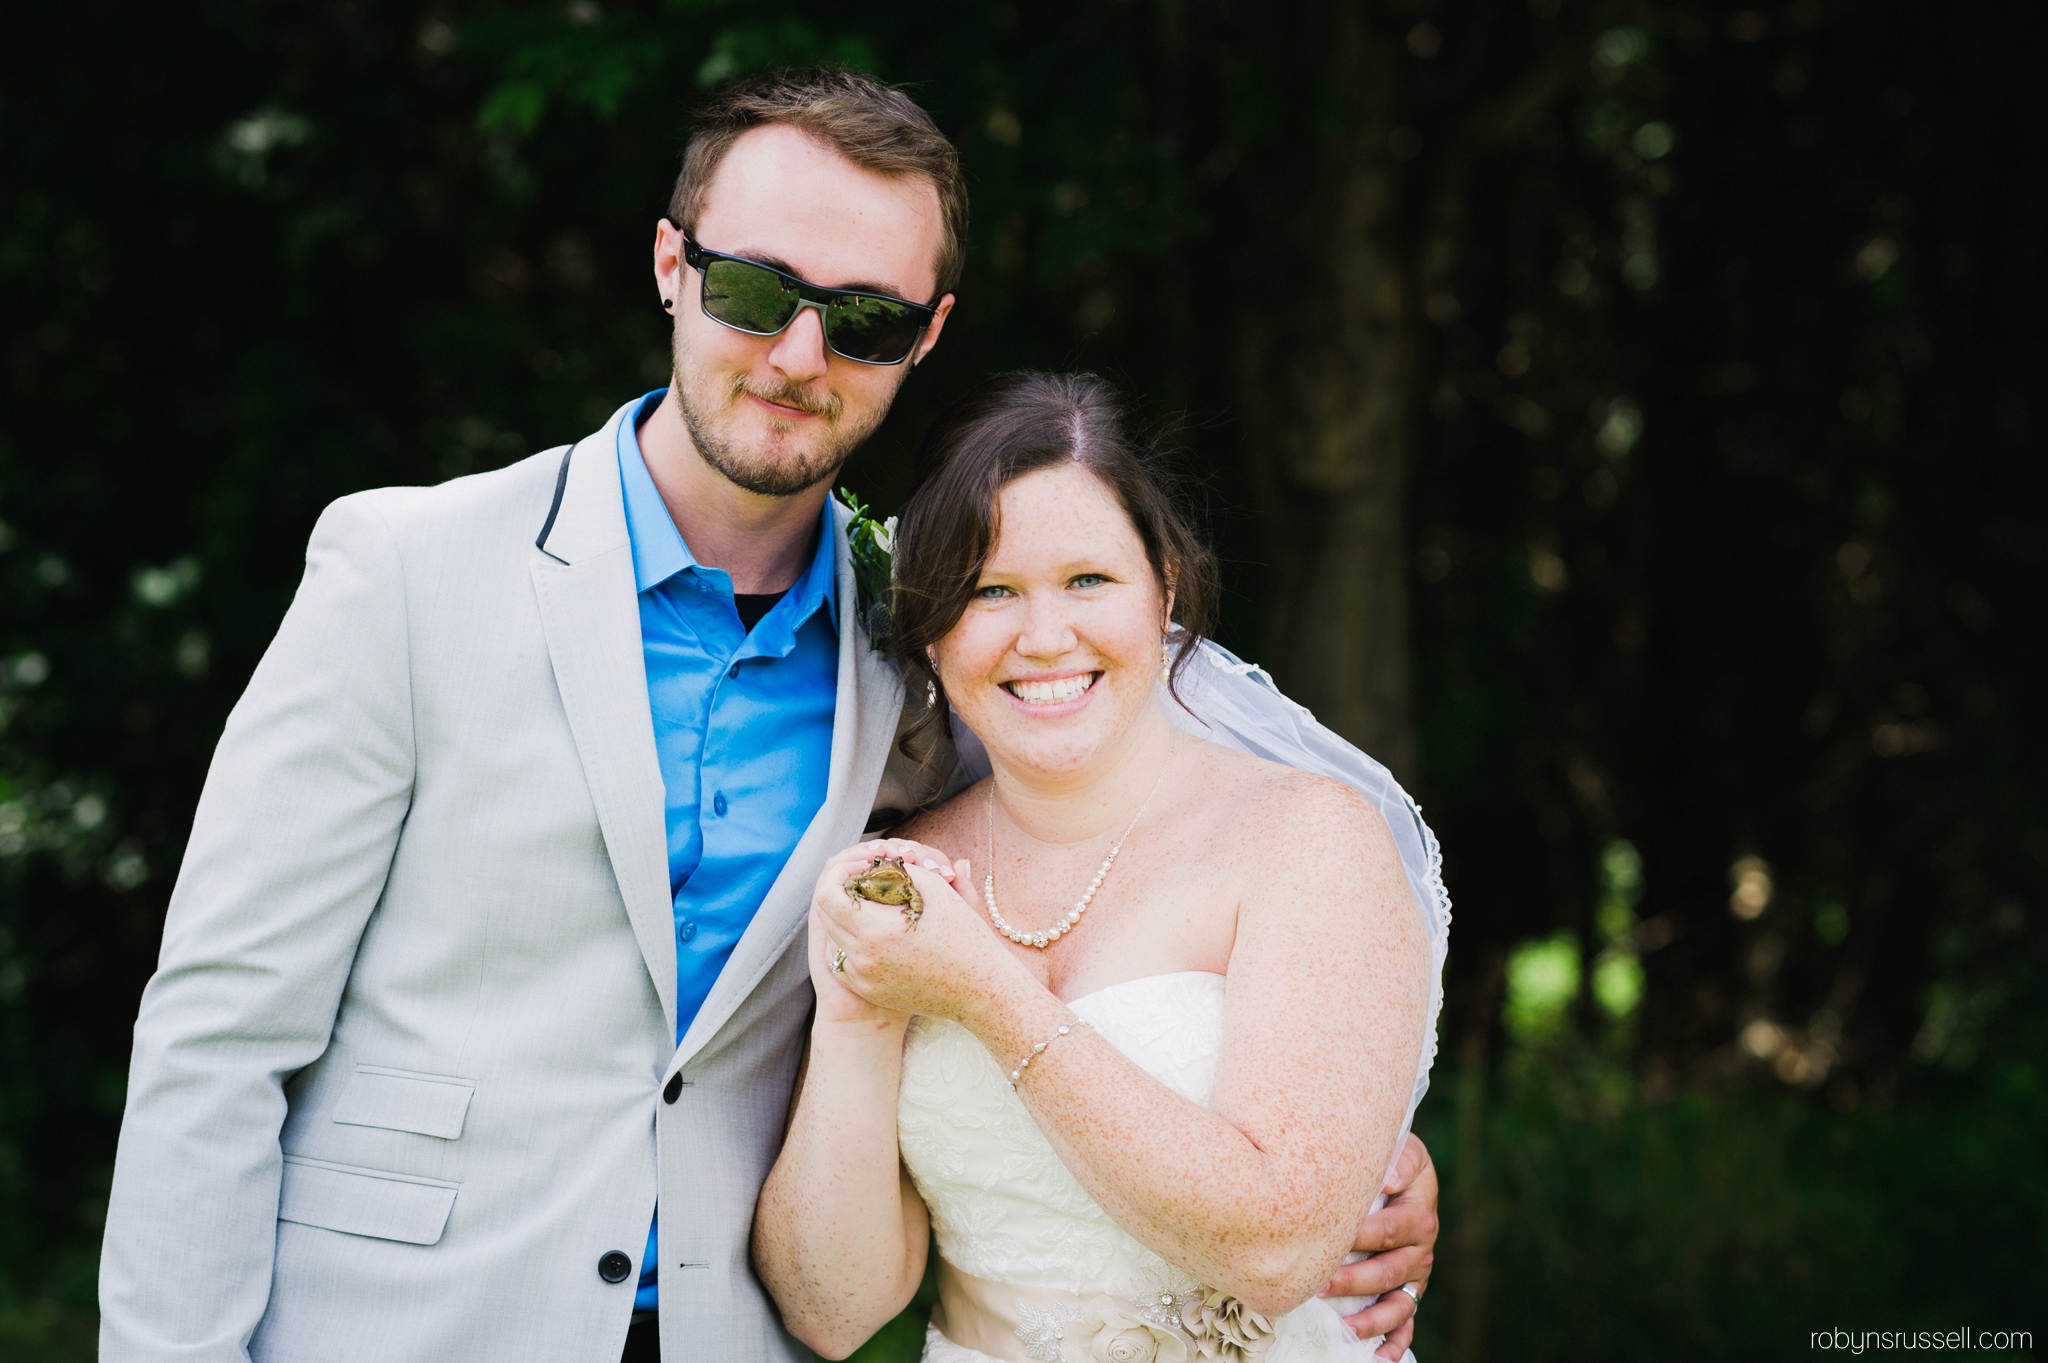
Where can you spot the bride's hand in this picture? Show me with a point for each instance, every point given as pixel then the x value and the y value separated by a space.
pixel 838 1005
pixel 836 1002
pixel 946 966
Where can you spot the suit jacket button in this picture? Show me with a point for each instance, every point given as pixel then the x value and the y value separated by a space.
pixel 614 1267
pixel 674 1089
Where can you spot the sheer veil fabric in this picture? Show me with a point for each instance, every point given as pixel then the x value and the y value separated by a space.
pixel 1235 703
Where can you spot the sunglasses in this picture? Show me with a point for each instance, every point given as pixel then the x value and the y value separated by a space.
pixel 867 328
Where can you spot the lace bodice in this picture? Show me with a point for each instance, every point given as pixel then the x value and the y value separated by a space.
pixel 1002 1204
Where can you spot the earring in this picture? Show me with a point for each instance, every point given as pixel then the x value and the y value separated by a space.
pixel 931 695
pixel 1165 664
pixel 669 304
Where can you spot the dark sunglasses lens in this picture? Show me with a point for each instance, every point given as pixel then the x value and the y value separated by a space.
pixel 748 296
pixel 877 330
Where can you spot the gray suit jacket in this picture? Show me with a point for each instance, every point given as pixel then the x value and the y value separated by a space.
pixel 398 1081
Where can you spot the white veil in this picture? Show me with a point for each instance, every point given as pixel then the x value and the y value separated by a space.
pixel 1235 703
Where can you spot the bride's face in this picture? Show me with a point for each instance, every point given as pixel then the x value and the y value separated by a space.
pixel 1059 648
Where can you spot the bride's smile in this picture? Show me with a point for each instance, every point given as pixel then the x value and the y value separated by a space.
pixel 1041 694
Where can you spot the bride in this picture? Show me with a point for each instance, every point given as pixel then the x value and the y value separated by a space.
pixel 1141 1045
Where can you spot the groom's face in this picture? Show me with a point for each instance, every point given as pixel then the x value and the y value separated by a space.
pixel 778 414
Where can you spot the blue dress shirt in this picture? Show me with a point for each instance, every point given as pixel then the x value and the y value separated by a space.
pixel 742 728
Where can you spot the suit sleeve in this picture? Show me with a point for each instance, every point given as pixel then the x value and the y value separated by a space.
pixel 290 849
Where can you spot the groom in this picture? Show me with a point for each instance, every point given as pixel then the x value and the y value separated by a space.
pixel 488 937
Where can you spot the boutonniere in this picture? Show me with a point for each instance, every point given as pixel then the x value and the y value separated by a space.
pixel 871 544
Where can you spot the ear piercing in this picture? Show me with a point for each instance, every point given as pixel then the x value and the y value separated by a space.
pixel 669 303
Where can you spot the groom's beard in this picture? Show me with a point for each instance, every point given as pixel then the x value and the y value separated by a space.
pixel 794 457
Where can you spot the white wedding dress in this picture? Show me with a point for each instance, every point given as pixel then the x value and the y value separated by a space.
pixel 1008 1213
pixel 1032 1271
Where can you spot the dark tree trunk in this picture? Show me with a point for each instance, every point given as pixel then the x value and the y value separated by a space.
pixel 1352 217
pixel 1326 376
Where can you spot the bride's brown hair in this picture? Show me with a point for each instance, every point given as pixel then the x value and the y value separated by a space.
pixel 989 437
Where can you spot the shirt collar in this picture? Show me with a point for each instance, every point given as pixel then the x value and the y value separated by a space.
pixel 659 551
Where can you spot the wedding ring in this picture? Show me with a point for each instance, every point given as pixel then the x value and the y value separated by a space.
pixel 838 963
pixel 1409 1288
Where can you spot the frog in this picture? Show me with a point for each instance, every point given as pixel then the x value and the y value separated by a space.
pixel 886 882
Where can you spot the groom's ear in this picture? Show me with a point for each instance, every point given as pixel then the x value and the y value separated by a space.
pixel 931 333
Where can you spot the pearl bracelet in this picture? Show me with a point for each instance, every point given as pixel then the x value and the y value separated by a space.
pixel 1039 1050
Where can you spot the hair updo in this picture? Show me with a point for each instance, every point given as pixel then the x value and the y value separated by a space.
pixel 994 434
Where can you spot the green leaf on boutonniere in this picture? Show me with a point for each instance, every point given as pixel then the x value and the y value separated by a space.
pixel 870 544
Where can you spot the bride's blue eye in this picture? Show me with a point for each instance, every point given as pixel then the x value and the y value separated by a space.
pixel 1089 580
pixel 990 593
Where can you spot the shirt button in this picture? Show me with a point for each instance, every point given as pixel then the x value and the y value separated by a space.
pixel 718 804
pixel 687 932
pixel 614 1267
pixel 733 671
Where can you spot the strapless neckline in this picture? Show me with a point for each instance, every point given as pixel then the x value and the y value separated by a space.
pixel 1140 979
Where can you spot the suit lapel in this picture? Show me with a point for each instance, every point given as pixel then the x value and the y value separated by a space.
pixel 583 579
pixel 869 702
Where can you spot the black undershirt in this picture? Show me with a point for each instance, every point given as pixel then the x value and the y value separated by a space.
pixel 753 605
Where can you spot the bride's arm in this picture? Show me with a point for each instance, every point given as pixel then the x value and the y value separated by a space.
pixel 1328 991
pixel 840 1234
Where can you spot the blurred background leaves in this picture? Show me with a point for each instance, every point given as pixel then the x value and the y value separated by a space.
pixel 1625 418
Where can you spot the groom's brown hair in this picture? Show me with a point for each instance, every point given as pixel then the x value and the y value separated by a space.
pixel 871 125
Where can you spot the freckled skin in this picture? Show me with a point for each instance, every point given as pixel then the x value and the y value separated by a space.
pixel 1286 883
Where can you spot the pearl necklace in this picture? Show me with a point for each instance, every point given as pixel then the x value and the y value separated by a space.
pixel 1042 940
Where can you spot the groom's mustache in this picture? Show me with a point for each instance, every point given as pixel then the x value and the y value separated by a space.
pixel 827 405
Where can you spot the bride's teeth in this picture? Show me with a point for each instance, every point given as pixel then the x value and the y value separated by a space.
pixel 1052 692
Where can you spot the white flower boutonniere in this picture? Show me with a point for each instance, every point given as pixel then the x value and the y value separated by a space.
pixel 871 544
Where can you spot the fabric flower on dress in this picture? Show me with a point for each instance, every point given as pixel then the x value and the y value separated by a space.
pixel 1115 1334
pixel 1227 1330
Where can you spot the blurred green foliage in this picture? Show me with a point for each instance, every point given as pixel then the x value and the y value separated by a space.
pixel 1586 1221
pixel 1725 395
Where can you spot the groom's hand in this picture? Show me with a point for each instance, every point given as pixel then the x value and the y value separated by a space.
pixel 1401 1237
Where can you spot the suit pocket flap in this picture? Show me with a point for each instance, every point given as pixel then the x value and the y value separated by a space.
pixel 364 1201
pixel 397 1100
